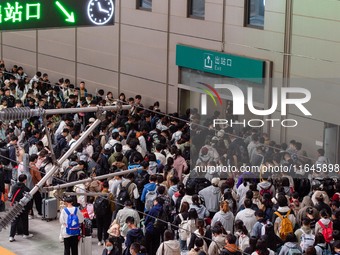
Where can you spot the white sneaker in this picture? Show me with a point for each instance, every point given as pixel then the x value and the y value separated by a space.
pixel 11 239
pixel 100 243
pixel 30 217
pixel 27 236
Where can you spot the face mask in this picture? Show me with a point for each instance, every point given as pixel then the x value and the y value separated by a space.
pixel 109 248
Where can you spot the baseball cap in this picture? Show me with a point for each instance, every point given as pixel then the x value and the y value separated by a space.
pixel 107 147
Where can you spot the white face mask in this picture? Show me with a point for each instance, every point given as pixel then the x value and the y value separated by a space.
pixel 109 248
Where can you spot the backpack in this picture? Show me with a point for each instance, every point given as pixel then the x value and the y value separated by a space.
pixel 4 153
pixel 325 250
pixel 286 226
pixel 266 191
pixel 101 206
pixel 161 221
pixel 74 175
pixel 327 232
pixel 73 226
pixel 294 251
pixel 141 179
pixel 307 240
pixel 184 228
pixel 149 198
pixel 123 195
pixel 42 171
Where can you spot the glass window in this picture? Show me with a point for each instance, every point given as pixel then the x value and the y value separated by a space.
pixel 255 13
pixel 197 8
pixel 144 4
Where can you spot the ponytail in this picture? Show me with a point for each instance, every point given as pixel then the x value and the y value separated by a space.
pixel 224 206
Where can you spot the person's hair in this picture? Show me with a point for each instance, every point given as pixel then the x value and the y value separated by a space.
pixel 216 230
pixel 247 203
pixel 291 237
pixel 231 239
pixel 174 180
pixel 224 205
pixel 161 190
pixel 196 200
pixel 336 234
pixel 252 244
pixel 249 193
pixel 130 220
pixel 105 184
pixel 33 157
pixel 282 200
pixel 153 178
pixel 198 243
pixel 22 177
pixel 310 251
pixel 336 244
pixel 200 225
pixel 269 230
pixel 262 247
pixel 193 214
pixel 306 221
pixel 168 235
pixel 136 247
pixel 239 226
pixel 324 213
pixel 160 200
pixel 319 238
pixel 185 207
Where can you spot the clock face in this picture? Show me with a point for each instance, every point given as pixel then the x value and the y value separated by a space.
pixel 100 11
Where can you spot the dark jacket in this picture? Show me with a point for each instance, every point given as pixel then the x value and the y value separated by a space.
pixel 150 218
pixel 133 235
pixel 21 188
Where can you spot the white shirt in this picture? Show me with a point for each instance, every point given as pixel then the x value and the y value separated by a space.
pixel 63 220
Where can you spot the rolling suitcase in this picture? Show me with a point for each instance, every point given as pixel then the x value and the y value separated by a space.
pixel 49 208
pixel 85 245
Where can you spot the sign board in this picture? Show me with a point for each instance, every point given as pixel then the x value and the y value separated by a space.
pixel 28 14
pixel 220 63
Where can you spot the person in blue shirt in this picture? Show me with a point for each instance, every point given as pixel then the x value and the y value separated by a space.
pixel 151 186
pixel 152 232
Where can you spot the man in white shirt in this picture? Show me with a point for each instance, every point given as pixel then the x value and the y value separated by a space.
pixel 159 155
pixel 247 215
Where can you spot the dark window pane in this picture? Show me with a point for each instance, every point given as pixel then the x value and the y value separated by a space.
pixel 256 12
pixel 147 4
pixel 198 8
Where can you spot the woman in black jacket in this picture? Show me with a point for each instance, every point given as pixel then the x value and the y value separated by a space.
pixel 112 247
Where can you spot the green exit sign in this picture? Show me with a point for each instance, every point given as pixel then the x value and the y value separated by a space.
pixel 220 63
pixel 30 14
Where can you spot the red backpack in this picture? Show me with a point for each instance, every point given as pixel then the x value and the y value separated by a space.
pixel 327 231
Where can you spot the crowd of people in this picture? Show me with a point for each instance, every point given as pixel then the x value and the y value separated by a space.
pixel 164 205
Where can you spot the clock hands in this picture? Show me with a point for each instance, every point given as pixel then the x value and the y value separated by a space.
pixel 101 9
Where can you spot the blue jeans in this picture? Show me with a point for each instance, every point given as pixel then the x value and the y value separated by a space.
pixel 183 245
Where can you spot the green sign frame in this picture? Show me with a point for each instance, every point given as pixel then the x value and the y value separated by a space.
pixel 220 63
pixel 37 14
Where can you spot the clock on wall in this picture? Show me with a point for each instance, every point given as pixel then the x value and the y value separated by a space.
pixel 100 11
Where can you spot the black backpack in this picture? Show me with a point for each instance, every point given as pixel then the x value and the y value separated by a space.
pixel 161 221
pixel 141 179
pixel 101 206
pixel 123 195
